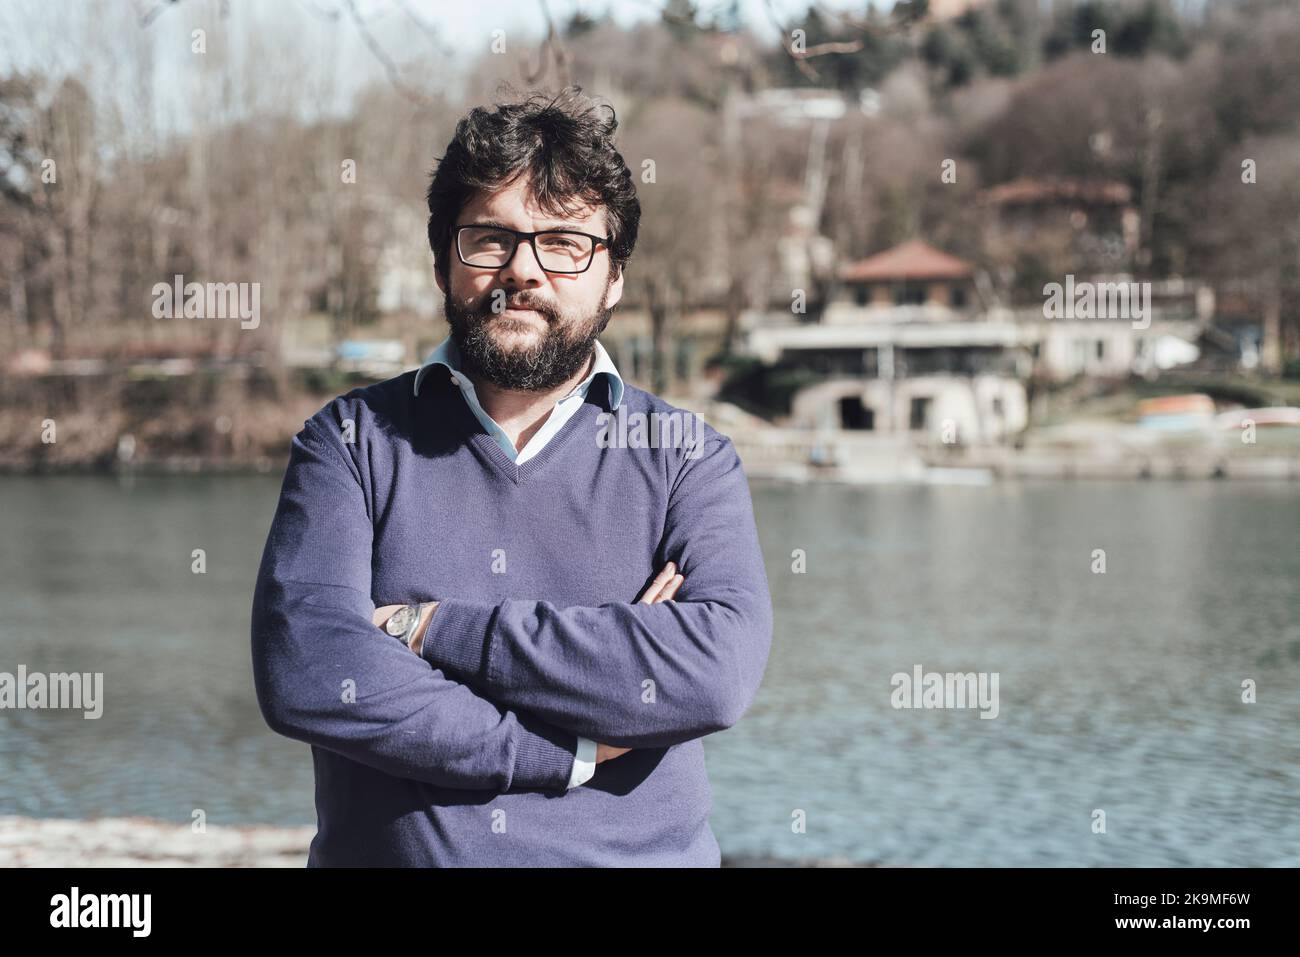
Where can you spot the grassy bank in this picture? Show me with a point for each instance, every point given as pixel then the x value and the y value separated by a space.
pixel 199 422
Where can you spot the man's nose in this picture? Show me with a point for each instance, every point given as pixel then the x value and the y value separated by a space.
pixel 523 269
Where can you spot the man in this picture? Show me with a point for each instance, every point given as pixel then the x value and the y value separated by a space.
pixel 503 634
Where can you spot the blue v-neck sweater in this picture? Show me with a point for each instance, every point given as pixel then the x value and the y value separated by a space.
pixel 461 756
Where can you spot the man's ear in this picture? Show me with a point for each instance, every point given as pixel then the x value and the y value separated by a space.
pixel 438 278
pixel 615 289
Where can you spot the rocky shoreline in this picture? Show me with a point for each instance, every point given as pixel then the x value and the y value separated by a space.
pixel 146 842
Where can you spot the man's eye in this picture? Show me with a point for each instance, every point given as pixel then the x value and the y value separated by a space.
pixel 559 242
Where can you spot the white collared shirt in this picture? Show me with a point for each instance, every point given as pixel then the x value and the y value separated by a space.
pixel 446 354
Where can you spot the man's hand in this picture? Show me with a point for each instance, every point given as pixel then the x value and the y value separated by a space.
pixel 662 588
pixel 383 613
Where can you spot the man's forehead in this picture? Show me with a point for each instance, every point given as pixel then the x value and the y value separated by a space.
pixel 512 203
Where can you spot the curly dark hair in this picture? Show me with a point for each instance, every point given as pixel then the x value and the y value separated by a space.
pixel 565 145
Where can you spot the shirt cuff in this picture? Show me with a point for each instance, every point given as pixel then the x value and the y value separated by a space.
pixel 584 762
pixel 542 755
pixel 459 638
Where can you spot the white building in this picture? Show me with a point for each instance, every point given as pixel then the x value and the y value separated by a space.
pixel 906 349
pixel 909 345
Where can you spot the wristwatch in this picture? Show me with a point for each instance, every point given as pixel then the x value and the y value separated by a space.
pixel 403 622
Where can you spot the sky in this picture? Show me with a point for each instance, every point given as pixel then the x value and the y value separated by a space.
pixel 312 51
pixel 30 29
pixel 463 22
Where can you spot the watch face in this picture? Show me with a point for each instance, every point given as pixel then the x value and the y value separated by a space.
pixel 397 624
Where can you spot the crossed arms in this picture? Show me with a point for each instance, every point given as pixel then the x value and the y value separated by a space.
pixel 663 588
pixel 501 690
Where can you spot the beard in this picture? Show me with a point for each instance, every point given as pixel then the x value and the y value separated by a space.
pixel 565 348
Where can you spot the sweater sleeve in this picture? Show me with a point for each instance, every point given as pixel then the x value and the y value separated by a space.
pixel 626 673
pixel 325 675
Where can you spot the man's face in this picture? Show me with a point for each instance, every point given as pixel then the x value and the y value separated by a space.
pixel 518 326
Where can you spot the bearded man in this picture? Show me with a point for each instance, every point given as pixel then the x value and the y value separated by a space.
pixel 503 636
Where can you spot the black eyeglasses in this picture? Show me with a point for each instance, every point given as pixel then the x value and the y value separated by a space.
pixel 557 250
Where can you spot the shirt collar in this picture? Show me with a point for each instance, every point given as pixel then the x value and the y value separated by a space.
pixel 446 354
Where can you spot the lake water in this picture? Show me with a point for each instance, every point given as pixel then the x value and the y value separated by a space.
pixel 1119 692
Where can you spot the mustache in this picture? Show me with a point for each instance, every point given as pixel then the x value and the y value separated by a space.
pixel 485 307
